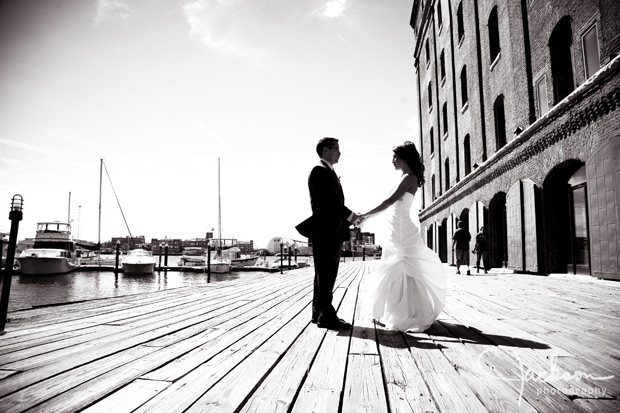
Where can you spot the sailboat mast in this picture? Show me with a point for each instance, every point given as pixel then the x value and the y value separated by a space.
pixel 69 210
pixel 219 205
pixel 100 180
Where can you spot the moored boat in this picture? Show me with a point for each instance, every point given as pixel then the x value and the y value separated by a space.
pixel 139 261
pixel 240 260
pixel 193 257
pixel 53 251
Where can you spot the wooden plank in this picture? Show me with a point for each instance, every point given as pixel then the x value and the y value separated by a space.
pixel 406 389
pixel 363 391
pixel 129 397
pixel 277 391
pixel 322 389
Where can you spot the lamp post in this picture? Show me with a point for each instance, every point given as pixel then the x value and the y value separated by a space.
pixel 16 215
pixel 281 257
pixel 118 252
pixel 161 246
pixel 208 262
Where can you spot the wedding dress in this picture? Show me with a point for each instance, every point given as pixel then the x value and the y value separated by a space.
pixel 408 289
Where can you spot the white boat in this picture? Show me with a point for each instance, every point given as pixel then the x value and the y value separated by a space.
pixel 240 260
pixel 139 261
pixel 193 257
pixel 283 261
pixel 219 265
pixel 53 251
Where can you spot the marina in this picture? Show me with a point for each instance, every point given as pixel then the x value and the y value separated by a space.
pixel 504 342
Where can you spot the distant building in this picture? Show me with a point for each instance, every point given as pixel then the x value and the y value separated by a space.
pixel 126 243
pixel 520 130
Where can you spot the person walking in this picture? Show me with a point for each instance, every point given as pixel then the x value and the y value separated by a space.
pixel 328 228
pixel 460 245
pixel 481 249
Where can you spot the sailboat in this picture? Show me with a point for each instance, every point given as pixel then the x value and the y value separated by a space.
pixel 219 264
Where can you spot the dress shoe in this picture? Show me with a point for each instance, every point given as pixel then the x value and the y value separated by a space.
pixel 334 325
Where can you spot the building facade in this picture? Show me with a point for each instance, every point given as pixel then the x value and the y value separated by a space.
pixel 520 130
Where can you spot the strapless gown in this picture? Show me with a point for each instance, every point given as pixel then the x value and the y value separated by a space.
pixel 408 289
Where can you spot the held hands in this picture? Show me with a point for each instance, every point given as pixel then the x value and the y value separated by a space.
pixel 358 219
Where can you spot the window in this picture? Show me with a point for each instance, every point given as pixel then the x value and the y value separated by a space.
pixel 447 170
pixel 427 48
pixel 442 65
pixel 493 24
pixel 439 18
pixel 459 21
pixel 591 56
pixel 467 154
pixel 430 95
pixel 432 141
pixel 560 44
pixel 445 118
pixel 541 93
pixel 433 192
pixel 464 97
pixel 500 122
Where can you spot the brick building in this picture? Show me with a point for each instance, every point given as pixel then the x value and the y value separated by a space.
pixel 520 129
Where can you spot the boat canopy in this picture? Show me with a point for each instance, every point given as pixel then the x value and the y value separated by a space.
pixel 54 227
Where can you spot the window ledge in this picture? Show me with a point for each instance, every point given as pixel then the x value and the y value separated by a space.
pixel 499 55
pixel 443 80
pixel 430 109
pixel 464 108
pixel 445 136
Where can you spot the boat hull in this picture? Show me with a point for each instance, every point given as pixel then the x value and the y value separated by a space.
pixel 244 262
pixel 46 265
pixel 219 267
pixel 138 268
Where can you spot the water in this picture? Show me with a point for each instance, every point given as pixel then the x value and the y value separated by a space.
pixel 39 290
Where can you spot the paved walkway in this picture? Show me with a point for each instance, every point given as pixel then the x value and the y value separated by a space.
pixel 505 343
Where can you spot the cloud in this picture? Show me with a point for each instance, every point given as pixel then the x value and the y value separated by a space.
pixel 111 9
pixel 67 135
pixel 26 146
pixel 8 161
pixel 226 26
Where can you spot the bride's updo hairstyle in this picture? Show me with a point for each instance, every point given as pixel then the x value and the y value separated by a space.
pixel 408 153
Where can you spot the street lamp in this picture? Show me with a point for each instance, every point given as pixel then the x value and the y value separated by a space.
pixel 15 215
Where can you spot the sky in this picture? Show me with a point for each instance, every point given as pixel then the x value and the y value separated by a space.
pixel 162 89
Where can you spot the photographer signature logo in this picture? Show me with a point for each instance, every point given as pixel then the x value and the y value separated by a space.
pixel 526 375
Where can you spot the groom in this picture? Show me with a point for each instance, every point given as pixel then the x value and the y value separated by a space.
pixel 328 227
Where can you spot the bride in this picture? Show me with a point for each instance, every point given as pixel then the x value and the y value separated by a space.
pixel 408 289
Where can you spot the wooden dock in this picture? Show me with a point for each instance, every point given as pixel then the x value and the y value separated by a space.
pixel 505 343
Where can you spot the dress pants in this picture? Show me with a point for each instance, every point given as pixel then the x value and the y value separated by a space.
pixel 326 255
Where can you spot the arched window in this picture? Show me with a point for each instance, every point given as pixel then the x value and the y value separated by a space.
pixel 430 95
pixel 432 138
pixel 447 170
pixel 560 44
pixel 428 52
pixel 439 17
pixel 467 154
pixel 464 97
pixel 442 65
pixel 494 47
pixel 433 193
pixel 445 118
pixel 459 21
pixel 500 122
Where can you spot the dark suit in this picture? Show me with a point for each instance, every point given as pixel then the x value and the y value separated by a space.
pixel 328 228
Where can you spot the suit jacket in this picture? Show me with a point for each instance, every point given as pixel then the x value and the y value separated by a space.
pixel 329 214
